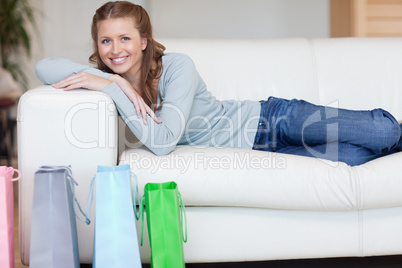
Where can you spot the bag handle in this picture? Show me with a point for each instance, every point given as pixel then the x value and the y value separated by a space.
pixel 73 183
pixel 142 204
pixel 10 169
pixel 90 198
pixel 88 201
pixel 136 196
pixel 183 216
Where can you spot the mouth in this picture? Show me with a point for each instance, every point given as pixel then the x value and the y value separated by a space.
pixel 119 60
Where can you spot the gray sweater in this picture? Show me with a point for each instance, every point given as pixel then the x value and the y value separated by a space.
pixel 190 115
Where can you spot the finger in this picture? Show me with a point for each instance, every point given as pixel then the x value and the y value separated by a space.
pixel 67 82
pixel 153 115
pixel 144 113
pixel 137 107
pixel 70 87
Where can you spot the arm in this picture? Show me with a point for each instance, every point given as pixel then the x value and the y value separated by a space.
pixel 179 85
pixel 64 73
pixel 53 70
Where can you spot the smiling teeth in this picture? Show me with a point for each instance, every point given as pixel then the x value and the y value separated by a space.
pixel 119 59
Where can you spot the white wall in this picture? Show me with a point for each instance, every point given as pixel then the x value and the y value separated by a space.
pixel 65 25
pixel 240 18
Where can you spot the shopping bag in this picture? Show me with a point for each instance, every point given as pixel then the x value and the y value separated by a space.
pixel 115 237
pixel 165 216
pixel 7 216
pixel 53 226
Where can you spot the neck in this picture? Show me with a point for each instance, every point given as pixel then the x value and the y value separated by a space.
pixel 135 81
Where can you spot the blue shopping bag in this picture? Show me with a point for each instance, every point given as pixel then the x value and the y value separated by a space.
pixel 115 237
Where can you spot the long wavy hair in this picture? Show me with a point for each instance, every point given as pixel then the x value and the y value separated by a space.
pixel 152 53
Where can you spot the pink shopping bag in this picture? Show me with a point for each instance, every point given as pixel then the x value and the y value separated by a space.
pixel 7 216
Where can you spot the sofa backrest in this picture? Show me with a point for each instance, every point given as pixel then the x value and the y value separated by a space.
pixel 354 73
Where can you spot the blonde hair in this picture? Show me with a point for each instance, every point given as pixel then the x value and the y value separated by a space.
pixel 152 53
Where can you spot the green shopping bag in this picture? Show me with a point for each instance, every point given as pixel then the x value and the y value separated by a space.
pixel 165 215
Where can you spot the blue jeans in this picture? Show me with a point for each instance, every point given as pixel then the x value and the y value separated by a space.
pixel 301 128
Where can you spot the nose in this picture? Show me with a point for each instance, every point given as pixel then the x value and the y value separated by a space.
pixel 117 48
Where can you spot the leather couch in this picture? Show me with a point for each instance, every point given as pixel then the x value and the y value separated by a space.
pixel 241 205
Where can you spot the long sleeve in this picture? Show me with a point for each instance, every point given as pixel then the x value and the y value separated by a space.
pixel 53 70
pixel 178 85
pixel 190 114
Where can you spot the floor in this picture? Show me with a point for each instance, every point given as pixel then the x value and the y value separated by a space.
pixel 372 262
pixel 368 262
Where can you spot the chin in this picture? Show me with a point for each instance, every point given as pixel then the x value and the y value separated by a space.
pixel 118 70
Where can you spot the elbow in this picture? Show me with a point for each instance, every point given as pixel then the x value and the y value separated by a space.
pixel 40 70
pixel 52 70
pixel 162 151
pixel 47 70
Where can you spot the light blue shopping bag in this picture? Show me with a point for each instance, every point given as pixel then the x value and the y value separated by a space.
pixel 115 237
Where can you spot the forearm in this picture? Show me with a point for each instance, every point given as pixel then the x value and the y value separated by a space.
pixel 160 138
pixel 123 84
pixel 53 70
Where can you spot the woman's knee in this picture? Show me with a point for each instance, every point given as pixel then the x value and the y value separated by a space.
pixel 388 130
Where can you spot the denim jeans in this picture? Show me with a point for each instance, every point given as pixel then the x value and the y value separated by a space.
pixel 301 128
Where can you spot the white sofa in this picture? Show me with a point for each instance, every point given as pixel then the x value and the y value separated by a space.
pixel 241 205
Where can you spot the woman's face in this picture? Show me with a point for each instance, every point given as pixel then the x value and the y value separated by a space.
pixel 120 46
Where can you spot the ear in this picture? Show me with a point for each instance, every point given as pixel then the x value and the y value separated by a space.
pixel 144 43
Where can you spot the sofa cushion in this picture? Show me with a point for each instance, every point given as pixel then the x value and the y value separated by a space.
pixel 246 178
pixel 359 73
pixel 252 69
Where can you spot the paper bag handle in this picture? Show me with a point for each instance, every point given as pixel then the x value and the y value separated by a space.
pixel 10 169
pixel 142 204
pixel 182 216
pixel 136 196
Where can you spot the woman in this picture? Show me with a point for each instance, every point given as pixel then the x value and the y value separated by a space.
pixel 134 71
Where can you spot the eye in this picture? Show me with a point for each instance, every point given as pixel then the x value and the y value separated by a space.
pixel 125 38
pixel 105 41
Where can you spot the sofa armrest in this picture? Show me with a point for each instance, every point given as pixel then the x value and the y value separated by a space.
pixel 55 127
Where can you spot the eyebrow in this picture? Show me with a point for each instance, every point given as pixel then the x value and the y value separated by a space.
pixel 105 36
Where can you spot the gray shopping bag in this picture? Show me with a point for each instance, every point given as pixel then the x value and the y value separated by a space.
pixel 53 227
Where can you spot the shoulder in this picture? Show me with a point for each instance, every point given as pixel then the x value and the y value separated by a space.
pixel 178 71
pixel 176 59
pixel 178 65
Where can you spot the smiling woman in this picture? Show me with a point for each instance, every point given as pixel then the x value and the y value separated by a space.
pixel 165 102
pixel 121 32
pixel 120 47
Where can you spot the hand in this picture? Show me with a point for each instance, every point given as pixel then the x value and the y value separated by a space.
pixel 83 80
pixel 141 107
